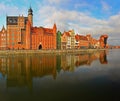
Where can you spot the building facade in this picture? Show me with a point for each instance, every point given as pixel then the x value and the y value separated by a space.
pixel 21 34
pixel 81 41
pixel 16 32
pixel 43 38
pixel 3 38
pixel 59 39
pixel 68 40
pixel 100 43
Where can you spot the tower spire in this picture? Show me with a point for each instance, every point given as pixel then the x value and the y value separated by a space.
pixel 3 28
pixel 30 11
pixel 30 16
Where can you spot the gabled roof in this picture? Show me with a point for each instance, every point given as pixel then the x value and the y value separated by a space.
pixel 80 37
pixel 38 30
pixel 3 29
pixel 48 30
pixel 77 37
pixel 66 33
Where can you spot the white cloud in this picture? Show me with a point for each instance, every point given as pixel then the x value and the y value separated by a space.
pixel 105 6
pixel 10 10
pixel 54 1
pixel 2 8
pixel 81 22
pixel 66 19
pixel 114 21
pixel 82 4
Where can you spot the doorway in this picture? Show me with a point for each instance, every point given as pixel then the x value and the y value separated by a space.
pixel 40 46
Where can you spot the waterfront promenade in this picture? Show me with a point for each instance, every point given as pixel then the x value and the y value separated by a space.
pixel 12 52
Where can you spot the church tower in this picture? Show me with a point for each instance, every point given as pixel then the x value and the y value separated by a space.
pixel 30 16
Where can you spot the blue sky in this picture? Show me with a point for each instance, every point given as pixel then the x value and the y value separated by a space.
pixel 93 17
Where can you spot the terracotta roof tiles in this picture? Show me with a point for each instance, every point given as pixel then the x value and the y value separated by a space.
pixel 81 37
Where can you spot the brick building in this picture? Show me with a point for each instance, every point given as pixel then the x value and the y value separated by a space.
pixel 59 39
pixel 100 43
pixel 43 38
pixel 68 40
pixel 22 35
pixel 3 38
pixel 81 41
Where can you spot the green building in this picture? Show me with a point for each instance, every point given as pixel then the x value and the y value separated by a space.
pixel 59 40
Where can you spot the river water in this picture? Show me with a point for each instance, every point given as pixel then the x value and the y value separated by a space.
pixel 69 77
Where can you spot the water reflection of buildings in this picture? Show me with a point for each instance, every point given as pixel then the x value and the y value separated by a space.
pixel 20 70
pixel 103 58
pixel 70 62
pixel 43 65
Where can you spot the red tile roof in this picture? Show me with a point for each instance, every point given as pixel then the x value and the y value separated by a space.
pixel 80 37
pixel 66 33
pixel 38 30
